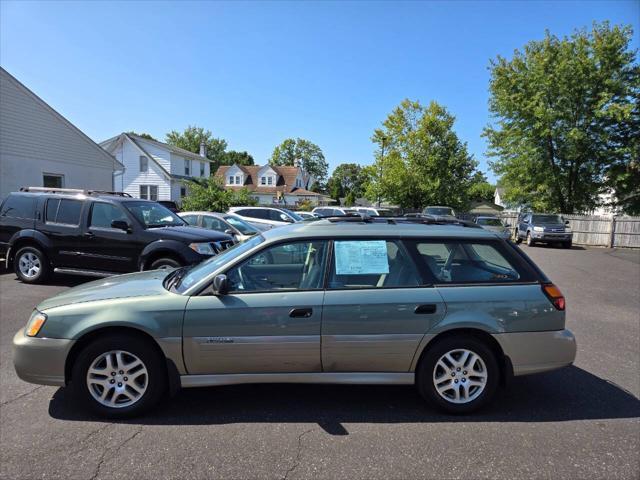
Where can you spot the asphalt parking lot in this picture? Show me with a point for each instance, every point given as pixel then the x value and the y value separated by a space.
pixel 579 422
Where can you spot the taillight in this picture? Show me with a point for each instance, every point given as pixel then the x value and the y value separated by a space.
pixel 555 295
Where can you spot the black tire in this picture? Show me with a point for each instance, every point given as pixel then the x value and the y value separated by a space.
pixel 566 245
pixel 153 361
pixel 518 239
pixel 425 372
pixel 41 258
pixel 164 262
pixel 530 241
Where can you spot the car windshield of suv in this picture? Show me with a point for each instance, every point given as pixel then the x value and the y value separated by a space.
pixel 438 211
pixel 153 215
pixel 547 219
pixel 244 227
pixel 206 268
pixel 490 222
pixel 293 215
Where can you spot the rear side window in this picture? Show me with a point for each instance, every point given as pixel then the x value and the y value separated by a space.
pixel 64 211
pixel 372 264
pixel 452 261
pixel 190 219
pixel 19 206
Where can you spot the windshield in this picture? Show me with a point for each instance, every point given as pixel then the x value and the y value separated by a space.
pixel 491 222
pixel 293 215
pixel 547 219
pixel 152 214
pixel 244 227
pixel 438 211
pixel 209 266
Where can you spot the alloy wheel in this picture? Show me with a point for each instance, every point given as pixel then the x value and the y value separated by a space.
pixel 117 379
pixel 29 264
pixel 460 376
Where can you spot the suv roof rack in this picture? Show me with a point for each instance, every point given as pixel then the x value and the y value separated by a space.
pixel 72 190
pixel 423 220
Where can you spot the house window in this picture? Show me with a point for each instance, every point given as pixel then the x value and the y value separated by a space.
pixel 187 167
pixel 149 192
pixel 238 182
pixel 269 180
pixel 144 163
pixel 52 180
pixel 202 169
pixel 231 180
pixel 183 192
pixel 263 180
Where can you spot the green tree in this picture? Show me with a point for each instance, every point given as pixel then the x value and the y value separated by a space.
pixel 307 153
pixel 347 177
pixel 566 119
pixel 482 190
pixel 210 195
pixel 142 135
pixel 421 161
pixel 233 157
pixel 191 138
pixel 350 199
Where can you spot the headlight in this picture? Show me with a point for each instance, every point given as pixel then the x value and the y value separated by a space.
pixel 538 229
pixel 202 248
pixel 35 323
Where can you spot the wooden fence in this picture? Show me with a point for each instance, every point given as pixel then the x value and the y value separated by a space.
pixel 593 230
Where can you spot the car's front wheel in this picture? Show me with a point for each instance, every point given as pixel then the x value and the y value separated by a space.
pixel 31 265
pixel 119 376
pixel 518 239
pixel 530 241
pixel 165 263
pixel 458 375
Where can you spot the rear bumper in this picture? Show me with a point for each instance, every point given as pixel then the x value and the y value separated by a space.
pixel 40 360
pixel 535 352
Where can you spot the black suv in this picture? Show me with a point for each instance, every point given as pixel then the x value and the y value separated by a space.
pixel 96 233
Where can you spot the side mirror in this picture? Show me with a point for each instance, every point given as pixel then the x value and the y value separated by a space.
pixel 566 222
pixel 121 225
pixel 286 218
pixel 220 285
pixel 228 231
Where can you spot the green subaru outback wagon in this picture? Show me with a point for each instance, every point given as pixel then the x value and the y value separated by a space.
pixel 452 309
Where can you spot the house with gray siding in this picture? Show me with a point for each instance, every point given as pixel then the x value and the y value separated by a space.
pixel 41 148
pixel 155 170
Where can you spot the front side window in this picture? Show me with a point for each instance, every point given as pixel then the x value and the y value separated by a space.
pixel 144 163
pixel 152 215
pixel 64 211
pixel 190 219
pixel 102 214
pixel 244 227
pixel 19 206
pixel 212 223
pixel 372 264
pixel 468 262
pixel 289 266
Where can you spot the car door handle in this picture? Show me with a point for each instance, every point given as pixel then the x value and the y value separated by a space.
pixel 425 309
pixel 89 234
pixel 301 312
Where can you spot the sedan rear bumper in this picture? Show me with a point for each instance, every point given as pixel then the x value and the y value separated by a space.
pixel 535 352
pixel 40 360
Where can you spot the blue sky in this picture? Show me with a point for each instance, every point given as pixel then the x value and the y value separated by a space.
pixel 257 73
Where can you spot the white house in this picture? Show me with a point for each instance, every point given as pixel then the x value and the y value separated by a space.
pixel 154 170
pixel 270 184
pixel 41 148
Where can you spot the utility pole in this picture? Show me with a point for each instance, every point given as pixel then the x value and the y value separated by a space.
pixel 380 168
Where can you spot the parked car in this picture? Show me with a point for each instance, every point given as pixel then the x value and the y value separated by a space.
pixel 494 224
pixel 450 309
pixel 544 228
pixel 438 211
pixel 96 234
pixel 306 215
pixel 268 217
pixel 323 212
pixel 375 212
pixel 170 205
pixel 222 222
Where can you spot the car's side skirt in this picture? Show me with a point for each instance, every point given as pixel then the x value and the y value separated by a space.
pixel 366 378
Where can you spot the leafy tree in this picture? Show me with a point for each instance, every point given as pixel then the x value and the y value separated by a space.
pixel 210 195
pixel 482 190
pixel 566 120
pixel 421 160
pixel 142 135
pixel 350 199
pixel 347 177
pixel 304 205
pixel 307 153
pixel 241 158
pixel 191 138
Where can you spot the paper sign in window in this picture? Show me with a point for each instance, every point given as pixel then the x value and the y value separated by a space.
pixel 361 257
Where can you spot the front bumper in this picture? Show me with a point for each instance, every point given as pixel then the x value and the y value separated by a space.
pixel 552 237
pixel 535 352
pixel 40 360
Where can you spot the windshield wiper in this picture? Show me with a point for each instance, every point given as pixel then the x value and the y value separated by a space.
pixel 174 278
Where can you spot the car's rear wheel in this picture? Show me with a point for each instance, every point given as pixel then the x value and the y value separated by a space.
pixel 518 239
pixel 530 241
pixel 164 263
pixel 31 265
pixel 119 376
pixel 458 375
pixel 566 244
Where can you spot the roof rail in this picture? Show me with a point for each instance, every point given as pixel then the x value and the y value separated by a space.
pixel 428 220
pixel 350 217
pixel 72 190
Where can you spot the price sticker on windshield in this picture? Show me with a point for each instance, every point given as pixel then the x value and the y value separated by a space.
pixel 361 257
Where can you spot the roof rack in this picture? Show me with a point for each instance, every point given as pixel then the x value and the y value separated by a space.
pixel 72 191
pixel 422 220
pixel 350 217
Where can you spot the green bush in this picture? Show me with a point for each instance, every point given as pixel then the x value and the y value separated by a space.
pixel 210 195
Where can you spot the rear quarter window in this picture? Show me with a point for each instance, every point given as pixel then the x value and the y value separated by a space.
pixel 64 211
pixel 19 206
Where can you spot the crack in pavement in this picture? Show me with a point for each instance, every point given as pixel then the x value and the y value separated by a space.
pixel 22 395
pixel 87 437
pixel 296 462
pixel 113 451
